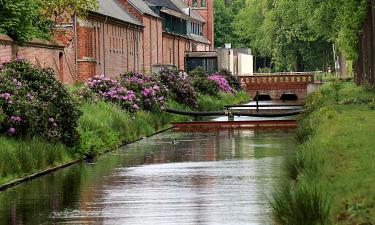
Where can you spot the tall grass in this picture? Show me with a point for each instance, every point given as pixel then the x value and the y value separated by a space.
pixel 22 157
pixel 302 205
pixel 330 181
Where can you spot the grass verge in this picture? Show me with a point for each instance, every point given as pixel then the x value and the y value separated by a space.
pixel 331 180
pixel 102 127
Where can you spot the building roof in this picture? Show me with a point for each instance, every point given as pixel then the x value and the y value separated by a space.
pixel 112 9
pixel 199 38
pixel 195 15
pixel 183 7
pixel 164 3
pixel 143 7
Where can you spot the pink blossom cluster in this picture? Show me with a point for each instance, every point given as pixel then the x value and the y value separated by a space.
pixel 112 90
pixel 148 89
pixel 222 82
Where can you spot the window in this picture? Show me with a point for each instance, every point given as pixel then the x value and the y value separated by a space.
pixel 203 3
pixel 195 3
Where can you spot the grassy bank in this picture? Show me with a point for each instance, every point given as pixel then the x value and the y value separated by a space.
pixel 331 180
pixel 102 127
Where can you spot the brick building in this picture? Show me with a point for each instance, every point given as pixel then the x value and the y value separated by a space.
pixel 121 36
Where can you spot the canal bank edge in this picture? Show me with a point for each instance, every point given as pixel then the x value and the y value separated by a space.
pixel 165 120
pixel 62 166
pixel 330 181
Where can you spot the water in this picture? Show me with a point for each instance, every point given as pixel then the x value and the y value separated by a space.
pixel 220 177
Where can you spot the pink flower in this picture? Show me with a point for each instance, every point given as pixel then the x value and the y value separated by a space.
pixel 12 130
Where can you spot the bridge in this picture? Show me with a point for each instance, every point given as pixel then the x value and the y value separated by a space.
pixel 278 86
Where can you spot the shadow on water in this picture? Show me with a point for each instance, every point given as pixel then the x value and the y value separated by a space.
pixel 216 177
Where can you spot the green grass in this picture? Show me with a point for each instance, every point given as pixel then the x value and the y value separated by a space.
pixel 335 163
pixel 102 127
pixel 21 157
pixel 212 103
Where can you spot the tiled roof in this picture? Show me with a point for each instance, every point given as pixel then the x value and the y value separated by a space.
pixel 164 3
pixel 143 7
pixel 187 10
pixel 199 38
pixel 112 9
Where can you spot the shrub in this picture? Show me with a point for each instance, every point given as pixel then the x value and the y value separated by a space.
pixel 222 82
pixel 233 81
pixel 82 93
pixel 111 90
pixel 180 87
pixel 206 86
pixel 34 103
pixel 198 72
pixel 149 90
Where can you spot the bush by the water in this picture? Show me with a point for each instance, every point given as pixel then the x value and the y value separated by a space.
pixel 113 91
pixel 34 104
pixel 233 81
pixel 148 89
pixel 180 87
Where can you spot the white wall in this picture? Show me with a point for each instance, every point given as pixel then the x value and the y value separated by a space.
pixel 245 64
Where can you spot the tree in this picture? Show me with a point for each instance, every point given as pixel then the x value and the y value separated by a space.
pixel 20 19
pixel 59 10
pixel 225 11
pixel 24 20
pixel 298 34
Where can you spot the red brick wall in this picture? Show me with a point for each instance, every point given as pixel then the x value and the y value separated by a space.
pixel 174 48
pixel 208 14
pixel 42 54
pixel 108 48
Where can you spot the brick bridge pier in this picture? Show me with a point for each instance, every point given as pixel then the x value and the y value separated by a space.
pixel 280 86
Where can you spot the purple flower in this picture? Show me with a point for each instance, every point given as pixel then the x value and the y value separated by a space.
pixel 30 96
pixel 54 124
pixel 5 96
pixel 12 130
pixel 51 120
pixel 222 82
pixel 16 118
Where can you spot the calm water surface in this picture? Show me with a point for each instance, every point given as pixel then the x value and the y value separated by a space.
pixel 217 177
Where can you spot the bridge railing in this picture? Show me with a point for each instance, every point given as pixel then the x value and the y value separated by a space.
pixel 263 79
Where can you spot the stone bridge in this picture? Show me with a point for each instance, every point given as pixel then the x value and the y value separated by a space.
pixel 280 86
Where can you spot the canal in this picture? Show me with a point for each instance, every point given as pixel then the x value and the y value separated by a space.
pixel 218 177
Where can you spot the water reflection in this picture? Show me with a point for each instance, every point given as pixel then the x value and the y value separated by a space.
pixel 220 177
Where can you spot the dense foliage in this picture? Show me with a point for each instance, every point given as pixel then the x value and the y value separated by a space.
pixel 58 10
pixel 297 34
pixel 34 103
pixel 180 87
pixel 113 91
pixel 21 20
pixel 151 93
pixel 24 20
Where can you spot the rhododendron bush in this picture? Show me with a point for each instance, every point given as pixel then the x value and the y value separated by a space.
pixel 34 103
pixel 132 91
pixel 149 90
pixel 221 81
pixel 180 86
pixel 113 91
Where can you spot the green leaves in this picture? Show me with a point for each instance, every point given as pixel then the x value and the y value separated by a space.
pixel 20 20
pixel 62 10
pixel 298 34
pixel 24 20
